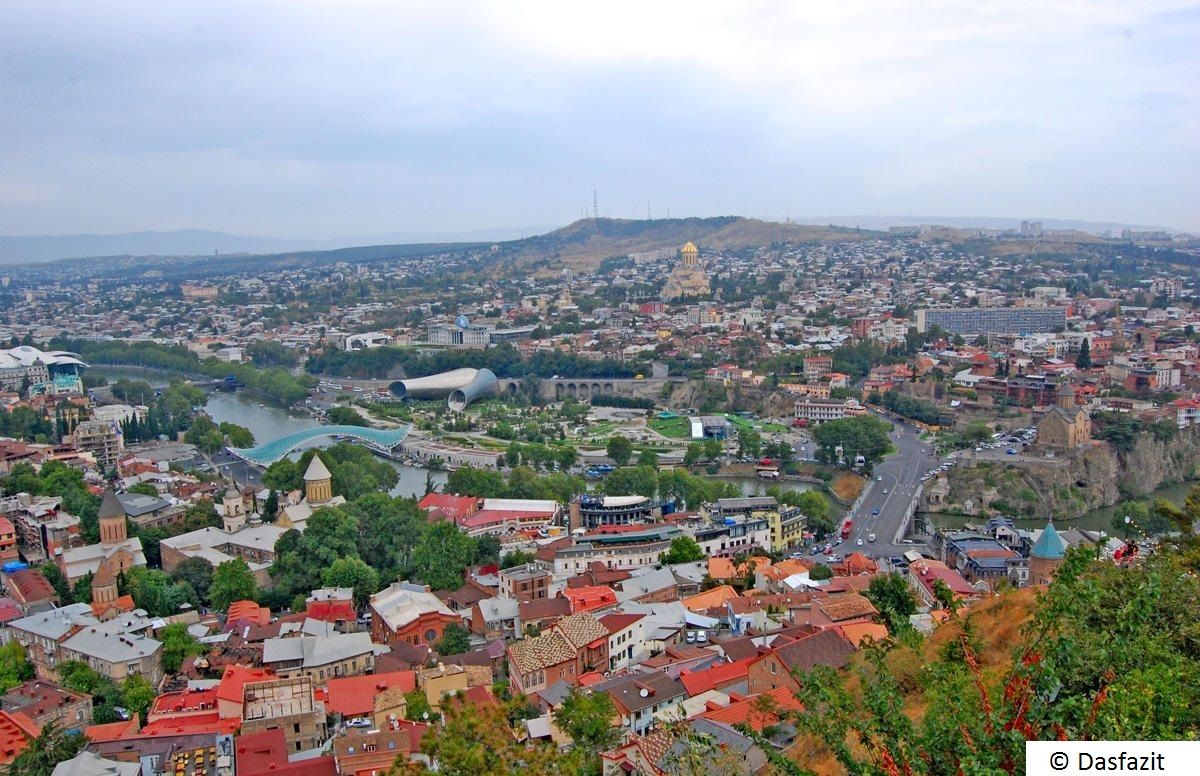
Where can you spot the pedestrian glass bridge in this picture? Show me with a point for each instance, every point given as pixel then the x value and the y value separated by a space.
pixel 384 441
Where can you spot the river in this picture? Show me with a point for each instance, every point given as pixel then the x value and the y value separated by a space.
pixel 267 422
pixel 1097 519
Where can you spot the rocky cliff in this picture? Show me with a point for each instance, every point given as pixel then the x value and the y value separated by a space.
pixel 1068 485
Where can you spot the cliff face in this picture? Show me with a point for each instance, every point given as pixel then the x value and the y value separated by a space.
pixel 1066 486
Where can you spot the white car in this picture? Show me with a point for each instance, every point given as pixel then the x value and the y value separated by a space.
pixel 859 542
pixel 359 722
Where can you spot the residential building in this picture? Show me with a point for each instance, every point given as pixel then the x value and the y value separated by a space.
pixel 254 544
pixel 45 702
pixel 822 410
pixel 969 321
pixel 786 524
pixel 410 614
pixel 102 439
pixel 778 668
pixel 625 550
pixel 17 731
pixel 320 657
pixel 525 583
pixel 638 697
pixel 287 705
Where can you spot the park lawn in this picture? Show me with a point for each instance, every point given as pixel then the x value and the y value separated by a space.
pixel 773 428
pixel 676 428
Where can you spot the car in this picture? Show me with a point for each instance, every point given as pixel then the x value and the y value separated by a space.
pixel 879 478
pixel 859 542
pixel 701 637
pixel 1011 451
pixel 885 491
pixel 875 511
pixel 815 551
pixel 870 537
pixel 691 637
pixel 359 722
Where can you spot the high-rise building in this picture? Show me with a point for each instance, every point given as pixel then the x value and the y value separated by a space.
pixel 993 320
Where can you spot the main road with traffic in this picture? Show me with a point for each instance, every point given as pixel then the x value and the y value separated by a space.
pixel 890 495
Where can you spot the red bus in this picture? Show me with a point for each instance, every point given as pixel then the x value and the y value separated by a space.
pixel 846 528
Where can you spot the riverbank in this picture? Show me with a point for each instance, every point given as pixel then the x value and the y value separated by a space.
pixel 1096 519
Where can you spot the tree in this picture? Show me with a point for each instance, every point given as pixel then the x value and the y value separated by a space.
pixel 517 558
pixel 156 592
pixel 138 694
pixel 863 435
pixel 1084 359
pixel 894 599
pixel 712 448
pixel 455 640
pixel 14 667
pixel 81 591
pixel 693 454
pixel 270 511
pixel 631 481
pixel 232 581
pixel 619 449
pixel 749 443
pixel 587 717
pixel 143 489
pixel 442 556
pixel 58 581
pixel 478 740
pixel 648 458
pixel 238 436
pixel 52 746
pixel 353 573
pixel 819 572
pixel 177 645
pixel 345 416
pixel 684 549
pixel 814 505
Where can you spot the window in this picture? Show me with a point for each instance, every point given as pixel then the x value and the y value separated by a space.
pixel 774 667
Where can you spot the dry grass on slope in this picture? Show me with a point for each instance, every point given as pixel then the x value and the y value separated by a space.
pixel 998 623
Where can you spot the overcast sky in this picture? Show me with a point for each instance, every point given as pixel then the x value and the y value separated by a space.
pixel 330 119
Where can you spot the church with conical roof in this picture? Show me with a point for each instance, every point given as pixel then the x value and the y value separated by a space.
pixel 1048 553
pixel 115 548
pixel 318 492
pixel 688 279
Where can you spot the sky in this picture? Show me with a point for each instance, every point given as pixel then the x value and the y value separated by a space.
pixel 320 120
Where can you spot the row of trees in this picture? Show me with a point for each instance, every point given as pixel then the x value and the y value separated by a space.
pixel 275 382
pixel 504 360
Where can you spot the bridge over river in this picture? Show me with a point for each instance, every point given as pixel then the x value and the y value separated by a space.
pixel 383 441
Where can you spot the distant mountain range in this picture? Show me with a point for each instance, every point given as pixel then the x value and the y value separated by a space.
pixel 199 242
pixel 582 243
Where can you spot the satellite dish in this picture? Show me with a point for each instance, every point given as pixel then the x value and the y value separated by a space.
pixel 644 693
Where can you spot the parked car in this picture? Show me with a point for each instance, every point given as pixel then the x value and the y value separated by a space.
pixel 359 722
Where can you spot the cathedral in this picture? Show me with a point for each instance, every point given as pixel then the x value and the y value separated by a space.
pixel 688 279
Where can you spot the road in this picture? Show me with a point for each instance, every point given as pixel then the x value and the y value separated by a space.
pixel 891 491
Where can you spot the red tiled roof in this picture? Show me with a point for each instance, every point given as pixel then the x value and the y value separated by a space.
pixel 617 622
pixel 586 599
pixel 267 753
pixel 30 585
pixel 453 507
pixel 236 677
pixel 696 682
pixel 754 710
pixel 207 723
pixel 353 696
pixel 246 613
pixel 16 731
pixel 485 517
pixel 112 731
